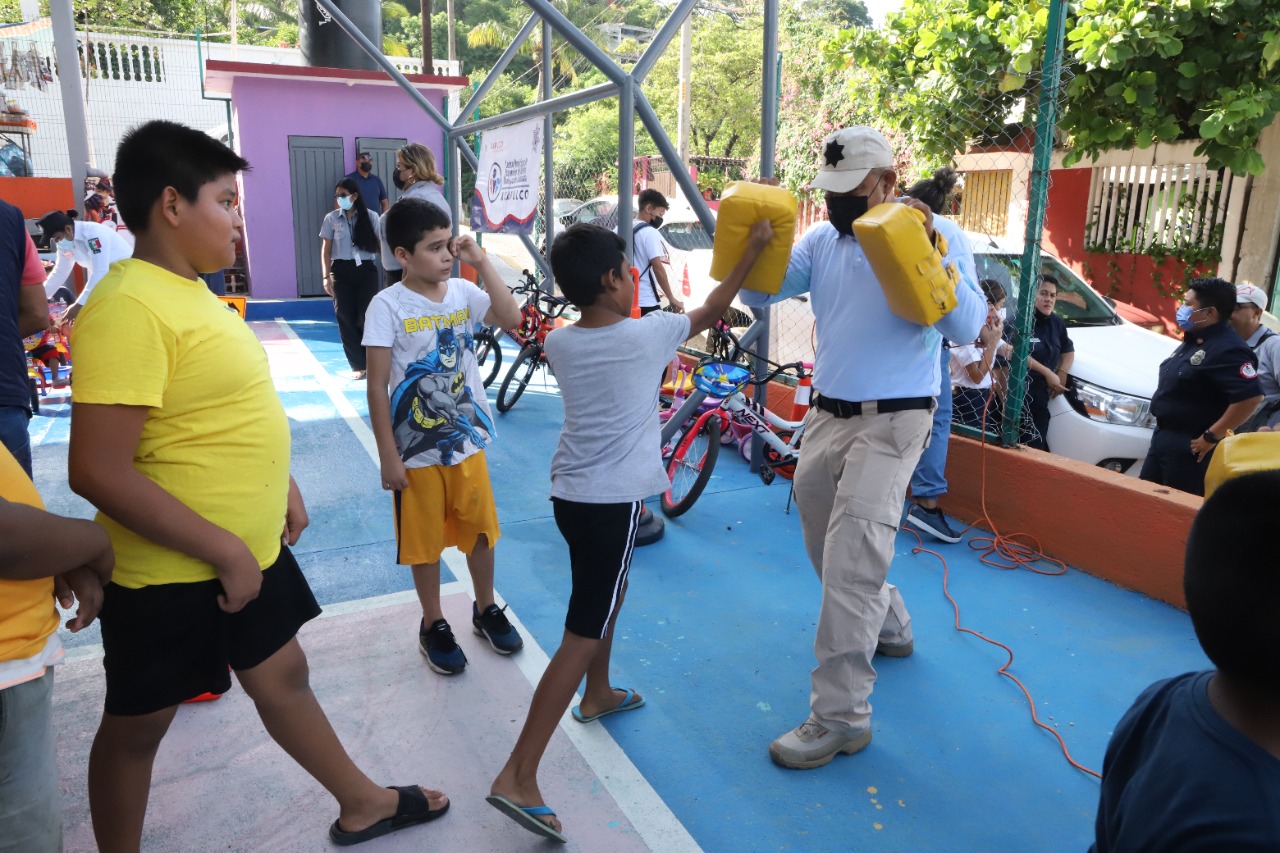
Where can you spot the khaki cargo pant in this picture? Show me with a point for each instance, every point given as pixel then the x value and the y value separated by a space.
pixel 850 486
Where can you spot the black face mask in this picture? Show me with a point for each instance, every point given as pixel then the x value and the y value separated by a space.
pixel 366 167
pixel 843 209
pixel 656 222
pixel 397 180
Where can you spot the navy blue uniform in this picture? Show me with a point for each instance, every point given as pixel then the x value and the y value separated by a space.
pixel 1049 341
pixel 1212 369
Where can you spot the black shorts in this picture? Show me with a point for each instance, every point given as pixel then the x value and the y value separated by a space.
pixel 165 644
pixel 601 538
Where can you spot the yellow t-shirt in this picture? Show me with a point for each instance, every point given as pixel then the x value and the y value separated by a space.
pixel 27 614
pixel 216 436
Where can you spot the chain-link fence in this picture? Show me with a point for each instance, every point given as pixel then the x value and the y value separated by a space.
pixel 126 79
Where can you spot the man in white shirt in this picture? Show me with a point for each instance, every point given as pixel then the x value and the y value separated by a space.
pixel 92 245
pixel 649 252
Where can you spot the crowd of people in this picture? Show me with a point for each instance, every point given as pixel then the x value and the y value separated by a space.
pixel 188 564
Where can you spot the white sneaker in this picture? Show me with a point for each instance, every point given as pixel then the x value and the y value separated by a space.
pixel 812 744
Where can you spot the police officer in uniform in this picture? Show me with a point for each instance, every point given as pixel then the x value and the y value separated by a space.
pixel 1208 387
pixel 876 376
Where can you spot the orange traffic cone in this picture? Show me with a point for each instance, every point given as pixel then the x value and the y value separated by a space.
pixel 804 392
pixel 684 285
pixel 635 291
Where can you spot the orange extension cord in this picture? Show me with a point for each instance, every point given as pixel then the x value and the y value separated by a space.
pixel 1003 552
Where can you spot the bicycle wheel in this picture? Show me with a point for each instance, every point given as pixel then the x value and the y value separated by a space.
pixel 488 355
pixel 518 377
pixel 690 467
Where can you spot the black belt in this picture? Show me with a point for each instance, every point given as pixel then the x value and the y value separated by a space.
pixel 847 409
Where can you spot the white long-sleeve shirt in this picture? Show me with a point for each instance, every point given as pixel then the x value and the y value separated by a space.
pixel 96 247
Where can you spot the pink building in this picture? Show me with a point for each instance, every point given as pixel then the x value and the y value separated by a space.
pixel 299 127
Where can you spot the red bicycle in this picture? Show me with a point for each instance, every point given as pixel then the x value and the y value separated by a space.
pixel 538 316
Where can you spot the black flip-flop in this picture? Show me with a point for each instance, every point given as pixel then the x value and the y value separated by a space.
pixel 412 810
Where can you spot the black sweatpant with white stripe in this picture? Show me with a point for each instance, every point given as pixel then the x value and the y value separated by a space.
pixel 601 538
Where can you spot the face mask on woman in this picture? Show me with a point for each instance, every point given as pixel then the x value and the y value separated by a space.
pixel 397 180
pixel 345 202
pixel 1003 314
pixel 65 245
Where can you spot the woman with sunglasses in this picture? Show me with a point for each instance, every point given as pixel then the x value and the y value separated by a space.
pixel 348 253
pixel 415 177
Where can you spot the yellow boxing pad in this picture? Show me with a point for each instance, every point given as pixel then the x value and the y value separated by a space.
pixel 916 285
pixel 743 204
pixel 1237 455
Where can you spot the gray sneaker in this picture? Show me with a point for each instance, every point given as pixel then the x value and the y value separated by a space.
pixel 813 745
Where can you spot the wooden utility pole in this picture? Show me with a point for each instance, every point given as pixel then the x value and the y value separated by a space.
pixel 428 59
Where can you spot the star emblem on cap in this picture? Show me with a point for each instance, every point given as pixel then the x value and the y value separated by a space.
pixel 834 153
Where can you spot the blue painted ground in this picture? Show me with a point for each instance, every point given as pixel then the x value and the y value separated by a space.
pixel 717 632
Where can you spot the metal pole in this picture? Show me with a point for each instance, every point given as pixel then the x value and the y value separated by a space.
pixel 653 51
pixel 768 138
pixel 77 128
pixel 548 162
pixel 674 162
pixel 1041 161
pixel 684 120
pixel 575 37
pixel 495 72
pixel 626 159
pixel 562 102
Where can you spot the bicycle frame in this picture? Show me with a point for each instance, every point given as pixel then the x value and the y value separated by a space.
pixel 738 408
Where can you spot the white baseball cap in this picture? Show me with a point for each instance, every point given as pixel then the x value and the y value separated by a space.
pixel 848 156
pixel 1247 293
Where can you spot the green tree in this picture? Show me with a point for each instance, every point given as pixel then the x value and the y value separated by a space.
pixel 952 71
pixel 725 90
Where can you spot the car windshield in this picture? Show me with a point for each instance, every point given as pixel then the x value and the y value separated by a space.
pixel 687 236
pixel 1078 304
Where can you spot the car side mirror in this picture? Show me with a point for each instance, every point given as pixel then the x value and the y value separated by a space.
pixel 1109 301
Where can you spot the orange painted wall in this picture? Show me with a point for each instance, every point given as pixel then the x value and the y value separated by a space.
pixel 1118 528
pixel 1127 277
pixel 37 196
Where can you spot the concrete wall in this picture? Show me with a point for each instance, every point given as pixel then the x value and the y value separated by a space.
pixel 266 112
pixel 1118 528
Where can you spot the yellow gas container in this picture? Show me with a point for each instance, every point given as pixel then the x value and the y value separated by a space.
pixel 743 204
pixel 1236 455
pixel 916 285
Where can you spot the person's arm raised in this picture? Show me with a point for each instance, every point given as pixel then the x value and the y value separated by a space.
pixel 718 301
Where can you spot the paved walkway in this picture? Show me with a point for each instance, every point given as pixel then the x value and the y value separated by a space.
pixel 717 633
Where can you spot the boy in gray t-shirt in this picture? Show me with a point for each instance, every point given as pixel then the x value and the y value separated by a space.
pixel 607 463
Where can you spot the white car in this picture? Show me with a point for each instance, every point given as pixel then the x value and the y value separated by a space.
pixel 1105 418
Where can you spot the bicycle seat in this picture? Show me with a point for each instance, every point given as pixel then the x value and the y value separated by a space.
pixel 720 378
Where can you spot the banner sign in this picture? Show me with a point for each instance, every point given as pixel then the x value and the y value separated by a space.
pixel 506 194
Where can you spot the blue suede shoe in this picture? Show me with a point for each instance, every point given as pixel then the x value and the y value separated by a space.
pixel 492 624
pixel 440 649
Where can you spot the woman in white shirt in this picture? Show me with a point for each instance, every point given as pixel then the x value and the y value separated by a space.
pixel 92 245
pixel 348 256
pixel 971 365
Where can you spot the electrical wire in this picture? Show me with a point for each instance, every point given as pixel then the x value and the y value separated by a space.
pixel 1002 552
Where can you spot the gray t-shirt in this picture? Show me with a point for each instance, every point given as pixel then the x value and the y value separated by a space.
pixel 1268 353
pixel 610 446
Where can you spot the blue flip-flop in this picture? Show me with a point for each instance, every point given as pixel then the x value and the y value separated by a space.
pixel 629 703
pixel 527 816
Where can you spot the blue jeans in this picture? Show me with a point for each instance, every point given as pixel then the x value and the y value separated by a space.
pixel 30 805
pixel 14 436
pixel 930 477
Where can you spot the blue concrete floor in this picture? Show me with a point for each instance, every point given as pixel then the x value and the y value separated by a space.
pixel 717 632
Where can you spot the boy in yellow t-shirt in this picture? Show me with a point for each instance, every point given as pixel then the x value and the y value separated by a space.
pixel 179 439
pixel 41 555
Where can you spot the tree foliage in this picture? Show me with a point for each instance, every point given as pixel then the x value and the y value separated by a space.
pixel 1138 72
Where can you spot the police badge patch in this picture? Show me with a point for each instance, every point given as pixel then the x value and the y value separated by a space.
pixel 95 246
pixel 1198 357
pixel 1248 371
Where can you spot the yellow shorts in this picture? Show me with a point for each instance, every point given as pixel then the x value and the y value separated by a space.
pixel 445 505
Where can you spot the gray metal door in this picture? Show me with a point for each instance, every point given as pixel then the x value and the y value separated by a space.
pixel 383 149
pixel 315 167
